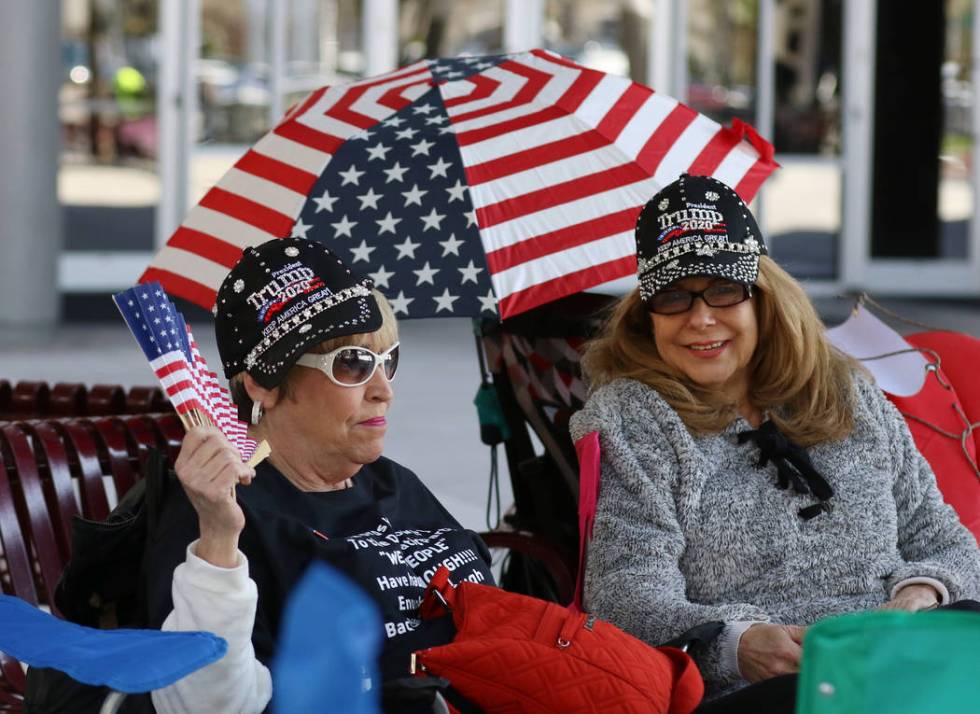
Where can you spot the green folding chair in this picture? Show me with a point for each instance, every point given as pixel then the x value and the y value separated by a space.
pixel 891 661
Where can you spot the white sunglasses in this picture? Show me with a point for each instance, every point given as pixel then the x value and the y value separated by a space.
pixel 352 366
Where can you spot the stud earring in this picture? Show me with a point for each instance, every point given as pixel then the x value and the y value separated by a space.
pixel 257 413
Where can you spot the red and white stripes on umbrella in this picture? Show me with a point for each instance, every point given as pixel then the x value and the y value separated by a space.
pixel 261 196
pixel 538 119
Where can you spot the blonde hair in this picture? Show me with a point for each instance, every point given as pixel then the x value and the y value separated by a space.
pixel 379 340
pixel 795 373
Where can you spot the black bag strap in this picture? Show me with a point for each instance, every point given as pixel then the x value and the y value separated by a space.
pixel 103 583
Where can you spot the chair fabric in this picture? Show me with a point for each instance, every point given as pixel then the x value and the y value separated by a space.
pixel 959 354
pixel 535 362
pixel 891 661
pixel 128 661
pixel 948 402
pixel 307 676
pixel 545 376
pixel 590 472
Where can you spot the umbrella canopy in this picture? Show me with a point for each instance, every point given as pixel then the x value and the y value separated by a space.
pixel 467 187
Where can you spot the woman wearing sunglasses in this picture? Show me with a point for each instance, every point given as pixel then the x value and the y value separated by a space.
pixel 310 351
pixel 751 474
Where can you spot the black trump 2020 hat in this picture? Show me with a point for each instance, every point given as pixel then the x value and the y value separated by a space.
pixel 282 297
pixel 696 226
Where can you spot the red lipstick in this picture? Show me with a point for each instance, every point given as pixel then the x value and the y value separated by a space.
pixel 376 421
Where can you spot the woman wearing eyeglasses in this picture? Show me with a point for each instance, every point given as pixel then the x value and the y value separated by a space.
pixel 751 474
pixel 310 351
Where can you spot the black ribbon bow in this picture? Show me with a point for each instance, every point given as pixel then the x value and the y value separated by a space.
pixel 793 466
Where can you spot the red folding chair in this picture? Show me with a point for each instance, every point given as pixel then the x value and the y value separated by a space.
pixel 944 418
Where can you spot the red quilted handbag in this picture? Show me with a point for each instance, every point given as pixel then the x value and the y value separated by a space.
pixel 520 655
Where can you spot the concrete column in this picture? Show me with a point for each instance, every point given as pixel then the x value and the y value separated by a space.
pixel 379 36
pixel 180 33
pixel 255 30
pixel 30 215
pixel 667 56
pixel 329 37
pixel 523 25
pixel 660 57
pixel 277 59
pixel 303 40
pixel 765 93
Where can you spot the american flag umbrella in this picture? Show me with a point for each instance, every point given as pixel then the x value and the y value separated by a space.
pixel 469 187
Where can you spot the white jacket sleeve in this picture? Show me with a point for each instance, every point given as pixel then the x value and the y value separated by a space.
pixel 222 601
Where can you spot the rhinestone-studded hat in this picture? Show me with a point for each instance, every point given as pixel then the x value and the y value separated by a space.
pixel 696 226
pixel 280 298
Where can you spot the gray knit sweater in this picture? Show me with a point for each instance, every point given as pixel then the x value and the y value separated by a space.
pixel 689 530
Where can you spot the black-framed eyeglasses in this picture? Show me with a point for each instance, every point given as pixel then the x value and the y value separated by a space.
pixel 674 301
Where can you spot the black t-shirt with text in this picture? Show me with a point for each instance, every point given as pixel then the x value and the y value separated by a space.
pixel 388 533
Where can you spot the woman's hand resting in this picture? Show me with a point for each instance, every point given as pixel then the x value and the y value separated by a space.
pixel 209 468
pixel 770 650
pixel 917 596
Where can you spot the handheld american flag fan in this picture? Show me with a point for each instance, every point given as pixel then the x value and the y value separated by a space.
pixel 168 343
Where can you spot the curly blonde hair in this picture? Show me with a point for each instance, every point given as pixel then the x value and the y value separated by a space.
pixel 795 373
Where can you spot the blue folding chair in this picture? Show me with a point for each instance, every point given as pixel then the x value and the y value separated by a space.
pixel 126 661
pixel 328 647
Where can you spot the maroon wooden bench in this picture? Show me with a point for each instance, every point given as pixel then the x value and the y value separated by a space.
pixel 55 469
pixel 29 398
pixel 5 394
pixel 33 400
pixel 146 400
pixel 68 399
pixel 32 509
pixel 105 400
pixel 16 574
